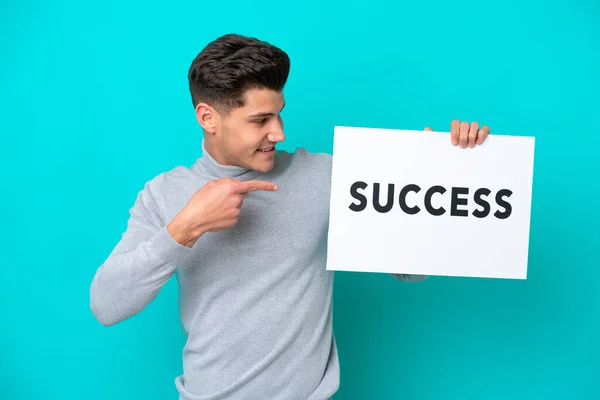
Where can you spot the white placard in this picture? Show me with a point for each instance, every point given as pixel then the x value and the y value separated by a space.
pixel 473 204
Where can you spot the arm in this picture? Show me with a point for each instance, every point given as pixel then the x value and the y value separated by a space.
pixel 148 253
pixel 140 264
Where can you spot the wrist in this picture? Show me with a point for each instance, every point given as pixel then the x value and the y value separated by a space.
pixel 183 231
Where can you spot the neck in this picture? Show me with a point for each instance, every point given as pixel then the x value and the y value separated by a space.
pixel 208 166
pixel 210 148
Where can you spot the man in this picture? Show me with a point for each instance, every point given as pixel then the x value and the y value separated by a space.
pixel 244 229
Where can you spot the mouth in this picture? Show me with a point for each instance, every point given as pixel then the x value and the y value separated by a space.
pixel 266 150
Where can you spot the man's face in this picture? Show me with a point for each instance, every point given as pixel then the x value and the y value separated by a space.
pixel 247 135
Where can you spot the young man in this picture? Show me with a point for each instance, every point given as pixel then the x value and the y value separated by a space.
pixel 244 229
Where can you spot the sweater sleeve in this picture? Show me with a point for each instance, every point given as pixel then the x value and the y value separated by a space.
pixel 410 277
pixel 139 265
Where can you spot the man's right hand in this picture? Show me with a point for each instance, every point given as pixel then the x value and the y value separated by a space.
pixel 215 207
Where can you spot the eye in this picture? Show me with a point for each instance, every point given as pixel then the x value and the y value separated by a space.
pixel 261 122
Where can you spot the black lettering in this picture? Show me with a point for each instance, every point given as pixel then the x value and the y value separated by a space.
pixel 456 201
pixel 403 193
pixel 430 209
pixel 360 197
pixel 390 198
pixel 481 202
pixel 502 203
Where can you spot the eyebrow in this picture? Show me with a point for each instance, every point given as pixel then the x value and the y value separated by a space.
pixel 264 114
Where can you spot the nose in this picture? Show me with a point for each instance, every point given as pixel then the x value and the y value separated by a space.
pixel 276 135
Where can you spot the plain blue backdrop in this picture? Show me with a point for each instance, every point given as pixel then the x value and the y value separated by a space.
pixel 94 102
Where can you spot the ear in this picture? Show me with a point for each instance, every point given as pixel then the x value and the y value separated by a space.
pixel 207 117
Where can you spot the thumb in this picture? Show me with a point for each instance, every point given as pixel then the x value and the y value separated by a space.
pixel 428 129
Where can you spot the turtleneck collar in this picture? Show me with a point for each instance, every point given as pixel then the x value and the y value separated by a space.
pixel 209 167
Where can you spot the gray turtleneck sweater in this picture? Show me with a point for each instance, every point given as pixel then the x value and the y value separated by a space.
pixel 255 300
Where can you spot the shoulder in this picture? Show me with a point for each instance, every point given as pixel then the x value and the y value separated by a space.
pixel 309 170
pixel 173 177
pixel 168 188
pixel 314 162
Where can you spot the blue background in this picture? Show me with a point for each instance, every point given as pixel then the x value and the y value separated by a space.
pixel 94 102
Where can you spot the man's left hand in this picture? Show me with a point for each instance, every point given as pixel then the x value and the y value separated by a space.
pixel 466 134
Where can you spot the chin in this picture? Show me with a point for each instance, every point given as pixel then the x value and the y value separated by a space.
pixel 263 167
pixel 261 163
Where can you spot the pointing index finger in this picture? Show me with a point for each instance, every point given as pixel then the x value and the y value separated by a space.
pixel 253 186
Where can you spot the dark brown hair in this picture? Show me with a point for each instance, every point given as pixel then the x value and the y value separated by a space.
pixel 232 64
